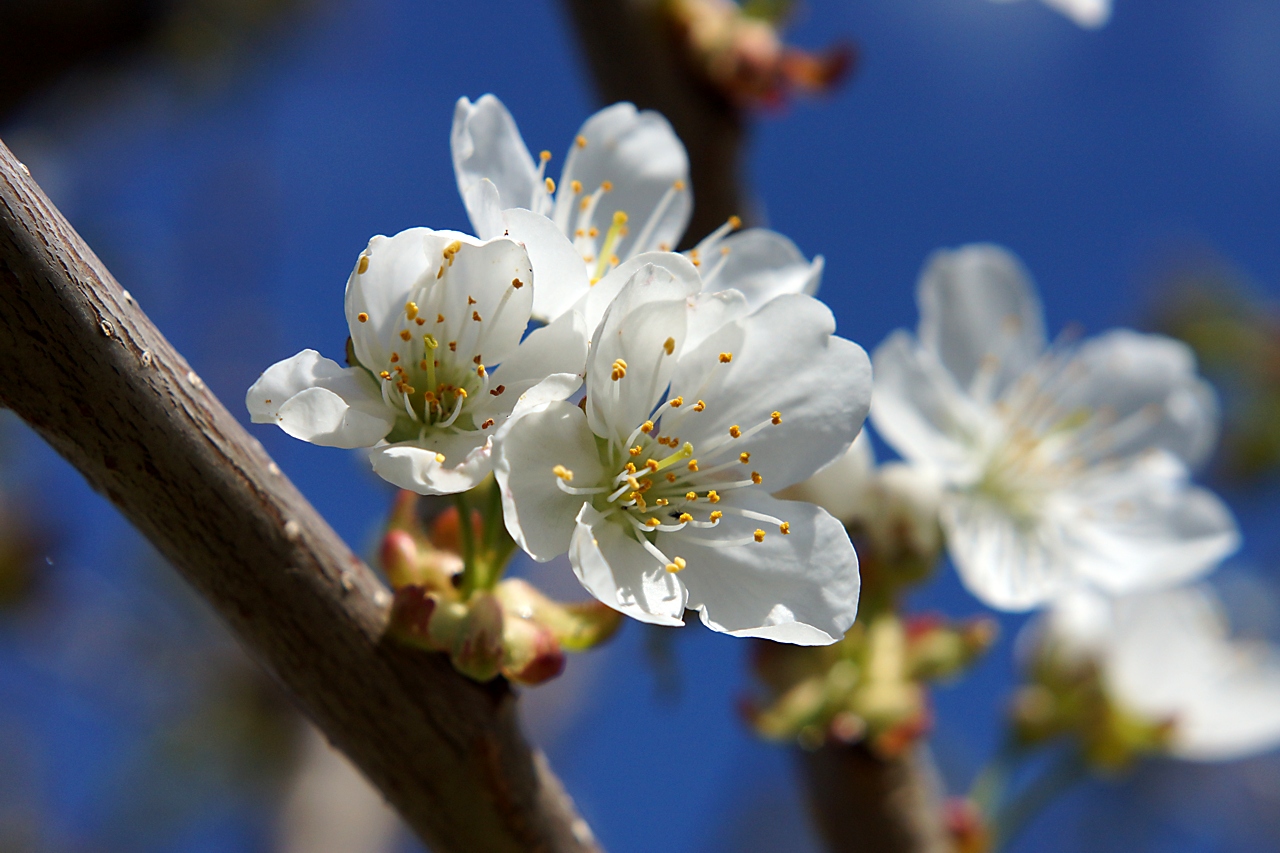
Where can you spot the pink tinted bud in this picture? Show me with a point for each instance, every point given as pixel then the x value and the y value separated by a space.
pixel 399 556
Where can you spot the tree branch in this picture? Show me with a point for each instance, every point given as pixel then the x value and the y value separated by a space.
pixel 85 367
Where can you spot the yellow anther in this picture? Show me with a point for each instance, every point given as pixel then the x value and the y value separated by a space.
pixel 471 300
pixel 385 374
pixel 671 478
pixel 580 233
pixel 411 310
pixel 440 460
pixel 678 186
pixel 677 402
pixel 363 266
pixel 580 141
pixel 735 223
pixel 785 527
pixel 635 451
pixel 576 186
pixel 756 478
pixel 488 422
pixel 453 346
pixel 362 317
pixel 684 516
pixel 677 564
pixel 461 392
pixel 631 469
pixel 420 320
pixel 661 502
pixel 713 496
pixel 693 464
pixel 475 315
pixel 669 345
pixel 551 185
pixel 517 283
pixel 395 356
pixel 759 535
pixel 638 498
pixel 744 457
pixel 563 473
pixel 691 496
pixel 593 232
pixel 646 427
pixel 652 465
pixel 652 522
pixel 619 370
pixel 775 418
pixel 544 156
pixel 735 431
pixel 716 515
pixel 607 186
pixel 726 357
pixel 699 406
pixel 724 250
pixel 480 371
pixel 451 250
pixel 405 334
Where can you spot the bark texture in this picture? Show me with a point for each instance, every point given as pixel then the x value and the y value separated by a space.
pixel 865 804
pixel 88 371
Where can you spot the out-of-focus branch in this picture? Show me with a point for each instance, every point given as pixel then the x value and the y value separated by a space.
pixel 633 56
pixel 84 366
pixel 866 804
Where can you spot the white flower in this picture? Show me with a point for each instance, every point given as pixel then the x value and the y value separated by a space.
pixel 1167 656
pixel 657 486
pixel 1061 465
pixel 1089 14
pixel 438 366
pixel 623 192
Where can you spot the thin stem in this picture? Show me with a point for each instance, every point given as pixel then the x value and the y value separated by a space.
pixel 470 582
pixel 1065 771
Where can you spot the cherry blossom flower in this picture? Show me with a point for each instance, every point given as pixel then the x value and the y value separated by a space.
pixel 623 192
pixel 1168 657
pixel 1089 14
pixel 658 485
pixel 1060 465
pixel 436 360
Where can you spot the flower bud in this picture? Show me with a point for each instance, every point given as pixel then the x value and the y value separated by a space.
pixel 477 644
pixel 532 654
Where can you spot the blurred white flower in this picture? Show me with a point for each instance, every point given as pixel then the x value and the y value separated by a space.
pixel 623 192
pixel 658 485
pixel 438 364
pixel 1060 465
pixel 1167 656
pixel 1090 14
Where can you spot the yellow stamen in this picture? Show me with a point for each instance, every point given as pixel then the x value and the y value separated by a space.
pixel 735 431
pixel 646 427
pixel 776 418
pixel 716 515
pixel 581 141
pixel 693 464
pixel 411 310
pixel 744 457
pixel 545 156
pixel 684 516
pixel 677 564
pixel 756 478
pixel 699 406
pixel 713 496
pixel 440 459
pixel 363 267
pixel 405 334
pixel 450 251
pixel 652 522
pixel 669 345
pixel 735 223
pixel 759 535
pixel 635 451
pixel 487 423
pixel 362 317
pixel 677 402
pixel 726 357
pixel 551 185
pixel 785 527
pixel 619 370
pixel 563 473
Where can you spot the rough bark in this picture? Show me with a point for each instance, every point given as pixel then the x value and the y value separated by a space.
pixel 88 371
pixel 865 804
pixel 632 57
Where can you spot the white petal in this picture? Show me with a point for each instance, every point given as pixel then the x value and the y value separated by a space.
pixel 639 153
pixel 551 359
pixel 710 312
pixel 840 487
pixel 602 294
pixel 1089 14
pixel 617 570
pixel 799 588
pixel 1009 564
pixel 559 273
pixel 486 144
pixel 489 281
pixel 977 304
pixel 540 516
pixel 918 409
pixel 1147 387
pixel 762 264
pixel 393 268
pixel 416 465
pixel 1142 526
pixel 317 400
pixel 784 358
pixel 648 312
pixel 484 207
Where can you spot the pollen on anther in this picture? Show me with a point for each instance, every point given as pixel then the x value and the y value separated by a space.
pixel 475 315
pixel 677 402
pixel 726 357
pixel 497 391
pixel 671 478
pixel 405 334
pixel 735 431
pixel 652 465
pixel 488 422
pixel 684 516
pixel 735 222
pixel 759 535
pixel 563 473
pixel 669 345
pixel 652 522
pixel 635 451
pixel 385 374
pixel 693 464
pixel 517 283
pixel 395 356
pixel 471 300
pixel 744 457
pixel 440 458
pixel 362 317
pixel 419 320
pixel 775 418
pixel 699 406
pixel 691 496
pixel 785 528
pixel 580 141
pixel 364 265
pixel 411 310
pixel 756 478
pixel 677 564
pixel 439 318
pixel 544 156
pixel 678 185
pixel 631 469
pixel 716 515
pixel 619 370
pixel 551 185
pixel 480 371
pixel 607 186
pixel 713 496
pixel 646 427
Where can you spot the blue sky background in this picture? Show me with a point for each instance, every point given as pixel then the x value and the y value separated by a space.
pixel 232 205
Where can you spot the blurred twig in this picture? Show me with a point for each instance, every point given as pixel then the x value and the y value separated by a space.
pixel 84 366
